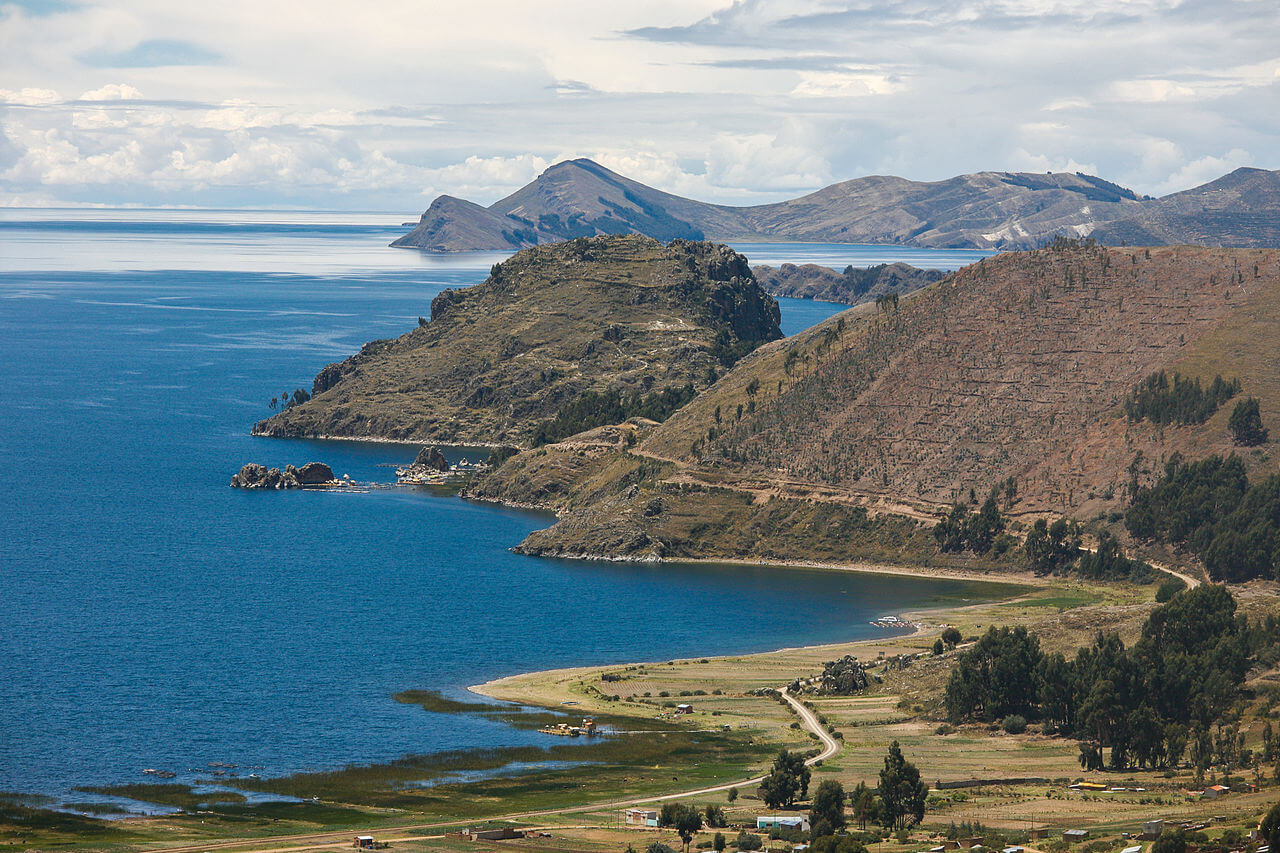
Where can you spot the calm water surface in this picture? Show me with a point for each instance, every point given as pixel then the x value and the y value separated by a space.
pixel 157 618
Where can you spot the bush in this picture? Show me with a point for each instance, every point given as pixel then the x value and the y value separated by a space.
pixel 748 841
pixel 1246 423
pixel 1015 724
pixel 1169 589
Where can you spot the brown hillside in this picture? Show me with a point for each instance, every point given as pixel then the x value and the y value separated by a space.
pixel 1012 368
pixel 843 443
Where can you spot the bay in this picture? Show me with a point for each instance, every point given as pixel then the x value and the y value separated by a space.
pixel 157 618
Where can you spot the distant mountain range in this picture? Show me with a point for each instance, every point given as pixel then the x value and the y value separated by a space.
pixel 986 210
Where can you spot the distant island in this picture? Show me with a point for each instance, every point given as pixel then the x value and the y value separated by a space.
pixel 985 210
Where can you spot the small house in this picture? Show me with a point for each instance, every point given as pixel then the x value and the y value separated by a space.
pixel 1152 829
pixel 1036 834
pixel 363 842
pixel 785 823
pixel 684 709
pixel 640 817
pixel 970 843
pixel 1215 791
pixel 1072 836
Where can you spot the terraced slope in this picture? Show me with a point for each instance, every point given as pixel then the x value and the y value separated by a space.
pixel 1011 371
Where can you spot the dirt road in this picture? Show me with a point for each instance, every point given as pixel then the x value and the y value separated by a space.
pixel 313 841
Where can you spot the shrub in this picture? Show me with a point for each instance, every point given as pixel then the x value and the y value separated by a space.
pixel 748 841
pixel 1015 724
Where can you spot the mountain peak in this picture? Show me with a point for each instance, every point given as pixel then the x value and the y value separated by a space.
pixel 984 210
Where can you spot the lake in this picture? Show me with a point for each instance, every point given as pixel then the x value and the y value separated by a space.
pixel 158 618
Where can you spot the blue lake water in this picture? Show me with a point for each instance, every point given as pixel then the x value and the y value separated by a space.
pixel 157 618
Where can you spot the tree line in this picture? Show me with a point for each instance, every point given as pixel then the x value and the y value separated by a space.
pixel 593 409
pixel 1211 508
pixel 1149 704
pixel 1182 401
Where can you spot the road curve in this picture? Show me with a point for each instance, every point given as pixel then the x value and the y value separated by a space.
pixel 808 721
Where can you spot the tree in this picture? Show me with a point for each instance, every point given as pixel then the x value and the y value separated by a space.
pixel 715 816
pixel 788 779
pixel 718 842
pixel 274 402
pixel 1170 841
pixel 748 841
pixel 1269 829
pixel 952 637
pixel 997 677
pixel 863 802
pixel 686 820
pixel 779 789
pixel 733 794
pixel 828 804
pixel 1246 423
pixel 902 794
pixel 658 847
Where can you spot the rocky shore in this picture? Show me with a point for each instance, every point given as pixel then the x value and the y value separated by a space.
pixel 255 476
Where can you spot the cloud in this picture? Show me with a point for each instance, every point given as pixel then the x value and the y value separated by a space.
pixel 1204 169
pixel 153 53
pixel 741 102
pixel 31 97
pixel 112 92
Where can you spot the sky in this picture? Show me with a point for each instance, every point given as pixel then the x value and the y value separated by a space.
pixel 384 104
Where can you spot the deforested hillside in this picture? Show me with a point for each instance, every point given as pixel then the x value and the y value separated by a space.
pixel 1062 380
pixel 557 339
pixel 1010 372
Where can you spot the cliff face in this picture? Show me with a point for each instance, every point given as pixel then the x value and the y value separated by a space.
pixel 985 210
pixel 610 313
pixel 841 441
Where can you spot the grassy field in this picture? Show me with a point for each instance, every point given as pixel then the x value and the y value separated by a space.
pixel 731 735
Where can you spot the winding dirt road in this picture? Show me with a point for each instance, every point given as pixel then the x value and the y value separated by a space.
pixel 311 841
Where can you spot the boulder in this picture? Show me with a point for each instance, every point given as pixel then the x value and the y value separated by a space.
pixel 314 474
pixel 431 459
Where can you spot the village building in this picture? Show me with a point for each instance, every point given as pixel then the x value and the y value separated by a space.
pixel 785 823
pixel 640 817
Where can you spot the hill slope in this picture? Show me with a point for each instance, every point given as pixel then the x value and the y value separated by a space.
pixel 986 210
pixel 1239 209
pixel 607 313
pixel 1011 371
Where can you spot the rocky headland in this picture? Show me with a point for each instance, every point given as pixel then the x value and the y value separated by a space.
pixel 554 334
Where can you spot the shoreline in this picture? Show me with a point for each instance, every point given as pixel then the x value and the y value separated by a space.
pixel 491 689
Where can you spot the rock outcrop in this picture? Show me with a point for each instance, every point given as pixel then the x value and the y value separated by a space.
pixel 843 677
pixel 255 476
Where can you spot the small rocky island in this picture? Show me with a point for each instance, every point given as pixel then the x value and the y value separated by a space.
pixel 255 476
